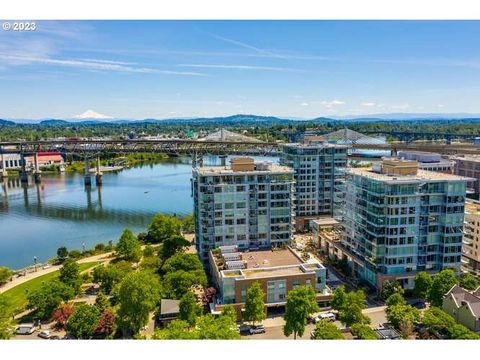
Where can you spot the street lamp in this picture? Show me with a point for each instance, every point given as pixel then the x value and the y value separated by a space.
pixel 35 262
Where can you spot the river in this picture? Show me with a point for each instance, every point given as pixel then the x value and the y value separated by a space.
pixel 35 220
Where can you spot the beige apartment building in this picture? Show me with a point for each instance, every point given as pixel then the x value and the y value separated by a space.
pixel 471 238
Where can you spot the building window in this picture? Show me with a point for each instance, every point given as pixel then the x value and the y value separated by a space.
pixel 295 283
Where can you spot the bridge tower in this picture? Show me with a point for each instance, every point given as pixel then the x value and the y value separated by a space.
pixel 23 172
pixel 86 178
pixel 37 174
pixel 98 173
pixel 3 172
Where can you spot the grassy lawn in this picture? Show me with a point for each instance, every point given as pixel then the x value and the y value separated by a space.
pixel 17 296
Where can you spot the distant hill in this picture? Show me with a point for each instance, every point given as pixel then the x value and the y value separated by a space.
pixel 54 122
pixel 6 122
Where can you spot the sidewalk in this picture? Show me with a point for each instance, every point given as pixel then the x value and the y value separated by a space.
pixel 104 258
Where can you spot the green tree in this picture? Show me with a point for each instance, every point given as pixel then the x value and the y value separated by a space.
pixel 178 283
pixel 442 283
pixel 395 299
pixel 229 310
pixel 83 321
pixel 182 261
pixel 221 328
pixel 437 321
pixel 47 298
pixel 189 309
pixel 129 247
pixel 171 246
pixel 148 251
pixel 254 304
pixel 364 332
pixel 70 275
pixel 101 302
pixel 469 282
pixel 110 275
pixel 6 324
pixel 460 332
pixel 5 274
pixel 339 298
pixel 163 227
pixel 351 313
pixel 188 223
pixel 423 283
pixel 176 330
pixel 301 302
pixel 389 288
pixel 62 253
pixel 325 330
pixel 401 313
pixel 139 293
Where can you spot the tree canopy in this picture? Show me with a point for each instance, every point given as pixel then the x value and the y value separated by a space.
pixel 5 274
pixel 163 227
pixel 189 309
pixel 389 288
pixel 129 247
pixel 70 274
pixel 171 246
pixel 6 325
pixel 364 332
pixel 351 311
pixel 139 293
pixel 83 321
pixel 325 330
pixel 469 282
pixel 301 302
pixel 423 282
pixel 109 275
pixel 178 283
pixel 442 282
pixel 254 304
pixel 47 298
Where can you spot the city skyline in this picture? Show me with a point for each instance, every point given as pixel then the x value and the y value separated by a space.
pixel 298 69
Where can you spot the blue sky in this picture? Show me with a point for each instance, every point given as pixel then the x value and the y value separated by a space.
pixel 165 69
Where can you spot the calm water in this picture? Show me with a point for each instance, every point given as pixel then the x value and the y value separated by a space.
pixel 38 219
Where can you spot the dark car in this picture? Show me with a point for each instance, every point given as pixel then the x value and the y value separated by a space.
pixel 54 337
pixel 243 329
pixel 419 305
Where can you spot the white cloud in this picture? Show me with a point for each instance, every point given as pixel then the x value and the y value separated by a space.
pixel 369 104
pixel 304 104
pixel 332 103
pixel 99 65
pixel 90 114
pixel 240 67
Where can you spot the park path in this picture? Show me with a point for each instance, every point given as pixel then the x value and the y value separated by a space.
pixel 104 258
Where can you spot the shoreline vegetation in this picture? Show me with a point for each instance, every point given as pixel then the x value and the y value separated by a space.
pixel 77 166
pixel 116 294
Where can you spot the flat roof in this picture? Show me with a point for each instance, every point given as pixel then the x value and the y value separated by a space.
pixel 316 145
pixel 269 258
pixel 169 306
pixel 227 170
pixel 326 221
pixel 261 273
pixel 421 175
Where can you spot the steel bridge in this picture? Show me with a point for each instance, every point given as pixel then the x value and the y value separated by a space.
pixel 166 146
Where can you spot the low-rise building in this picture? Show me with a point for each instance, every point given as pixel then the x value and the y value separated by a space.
pixel 277 270
pixel 169 310
pixel 325 233
pixel 463 306
pixel 428 161
pixel 471 238
pixel 469 166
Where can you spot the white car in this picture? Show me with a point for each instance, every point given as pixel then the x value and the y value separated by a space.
pixel 326 316
pixel 45 334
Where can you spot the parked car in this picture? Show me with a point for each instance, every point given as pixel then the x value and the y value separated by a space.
pixel 44 334
pixel 243 329
pixel 312 317
pixel 25 329
pixel 259 329
pixel 419 305
pixel 54 337
pixel 329 316
pixel 312 335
